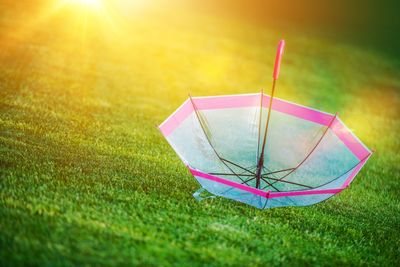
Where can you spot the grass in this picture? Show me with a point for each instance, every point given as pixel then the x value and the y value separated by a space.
pixel 87 179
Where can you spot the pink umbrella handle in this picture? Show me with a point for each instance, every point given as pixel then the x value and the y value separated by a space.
pixel 278 58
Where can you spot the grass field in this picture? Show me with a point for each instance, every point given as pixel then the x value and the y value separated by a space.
pixel 87 179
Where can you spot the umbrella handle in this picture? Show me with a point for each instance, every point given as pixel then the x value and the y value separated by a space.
pixel 278 58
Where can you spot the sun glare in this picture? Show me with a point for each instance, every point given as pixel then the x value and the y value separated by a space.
pixel 86 3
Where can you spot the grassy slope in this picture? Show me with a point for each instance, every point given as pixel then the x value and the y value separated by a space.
pixel 87 178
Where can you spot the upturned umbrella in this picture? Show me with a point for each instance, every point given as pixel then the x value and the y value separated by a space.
pixel 264 151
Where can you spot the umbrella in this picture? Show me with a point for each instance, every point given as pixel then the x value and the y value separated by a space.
pixel 264 151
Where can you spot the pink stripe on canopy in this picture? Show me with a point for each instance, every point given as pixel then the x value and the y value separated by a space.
pixel 222 102
pixel 299 111
pixel 173 121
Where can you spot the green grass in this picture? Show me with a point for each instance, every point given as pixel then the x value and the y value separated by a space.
pixel 87 179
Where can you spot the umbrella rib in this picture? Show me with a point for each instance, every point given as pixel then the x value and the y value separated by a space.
pixel 278 171
pixel 259 124
pixel 265 204
pixel 289 198
pixel 347 171
pixel 309 154
pixel 269 184
pixel 208 140
pixel 288 182
pixel 237 165
pixel 275 179
pixel 244 182
pixel 344 172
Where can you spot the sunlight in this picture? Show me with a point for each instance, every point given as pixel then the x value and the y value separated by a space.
pixel 89 4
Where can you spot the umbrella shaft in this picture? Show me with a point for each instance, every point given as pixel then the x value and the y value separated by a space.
pixel 259 170
pixel 261 160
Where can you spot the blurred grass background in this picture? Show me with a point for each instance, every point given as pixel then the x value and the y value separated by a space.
pixel 87 179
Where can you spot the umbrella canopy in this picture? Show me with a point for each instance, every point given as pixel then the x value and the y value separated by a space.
pixel 264 151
